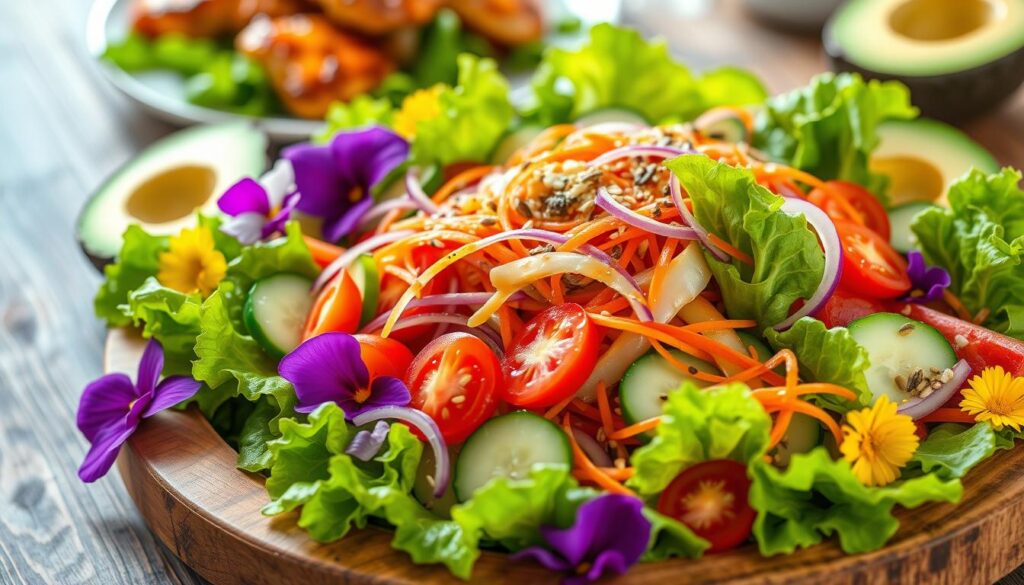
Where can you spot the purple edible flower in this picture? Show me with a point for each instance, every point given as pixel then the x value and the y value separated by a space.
pixel 251 203
pixel 329 368
pixel 112 407
pixel 336 179
pixel 610 534
pixel 366 444
pixel 927 283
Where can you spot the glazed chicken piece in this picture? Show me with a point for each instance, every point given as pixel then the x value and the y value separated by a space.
pixel 205 18
pixel 379 17
pixel 506 22
pixel 311 63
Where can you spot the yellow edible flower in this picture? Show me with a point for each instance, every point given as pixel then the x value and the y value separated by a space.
pixel 418 106
pixel 995 396
pixel 192 264
pixel 877 442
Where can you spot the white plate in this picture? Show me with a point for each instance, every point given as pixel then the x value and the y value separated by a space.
pixel 162 93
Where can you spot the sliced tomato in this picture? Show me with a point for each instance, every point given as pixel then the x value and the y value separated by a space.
pixel 871 267
pixel 384 356
pixel 711 499
pixel 848 201
pixel 338 308
pixel 551 358
pixel 843 307
pixel 454 381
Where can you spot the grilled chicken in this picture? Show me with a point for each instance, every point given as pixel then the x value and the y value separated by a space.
pixel 205 18
pixel 506 22
pixel 311 63
pixel 379 17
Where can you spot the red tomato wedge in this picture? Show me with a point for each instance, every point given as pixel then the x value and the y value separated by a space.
pixel 551 357
pixel 454 381
pixel 384 356
pixel 338 308
pixel 842 308
pixel 980 347
pixel 871 268
pixel 848 201
pixel 711 499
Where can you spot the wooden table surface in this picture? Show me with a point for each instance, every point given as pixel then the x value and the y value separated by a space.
pixel 61 131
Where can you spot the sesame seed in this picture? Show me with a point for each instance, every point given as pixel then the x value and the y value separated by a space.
pixel 960 341
pixel 458 399
pixel 906 329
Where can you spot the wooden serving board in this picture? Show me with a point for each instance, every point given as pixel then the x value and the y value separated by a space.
pixel 183 480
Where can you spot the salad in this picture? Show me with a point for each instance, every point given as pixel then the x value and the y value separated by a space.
pixel 647 315
pixel 260 57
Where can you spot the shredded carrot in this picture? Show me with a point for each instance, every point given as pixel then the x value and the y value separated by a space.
pixel 605 410
pixel 647 330
pixel 730 249
pixel 616 473
pixel 461 181
pixel 582 408
pixel 956 304
pixel 557 409
pixel 981 316
pixel 635 429
pixel 587 467
pixel 721 324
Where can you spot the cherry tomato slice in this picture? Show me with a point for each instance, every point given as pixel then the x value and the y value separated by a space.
pixel 454 381
pixel 338 308
pixel 392 287
pixel 551 358
pixel 848 201
pixel 384 356
pixel 871 267
pixel 842 308
pixel 711 499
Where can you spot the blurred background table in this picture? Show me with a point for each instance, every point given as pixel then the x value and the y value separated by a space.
pixel 62 129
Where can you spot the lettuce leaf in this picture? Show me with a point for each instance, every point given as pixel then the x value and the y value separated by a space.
pixel 618 68
pixel 788 263
pixel 169 316
pixel 719 423
pixel 474 115
pixel 826 355
pixel 980 241
pixel 828 128
pixel 671 538
pixel 816 497
pixel 512 511
pixel 951 450
pixel 363 110
pixel 138 260
pixel 336 492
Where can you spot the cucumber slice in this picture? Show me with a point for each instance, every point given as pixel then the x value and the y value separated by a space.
pixel 276 310
pixel 367 278
pixel 900 350
pixel 423 488
pixel 722 125
pixel 605 115
pixel 508 446
pixel 900 218
pixel 803 434
pixel 512 141
pixel 648 381
pixel 763 353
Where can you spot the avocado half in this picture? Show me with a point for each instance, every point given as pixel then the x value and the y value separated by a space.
pixel 163 187
pixel 923 157
pixel 959 57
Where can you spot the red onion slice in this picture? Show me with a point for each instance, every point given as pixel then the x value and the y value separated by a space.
pixel 414 189
pixel 381 209
pixel 676 191
pixel 833 249
pixel 348 256
pixel 619 211
pixel 425 425
pixel 918 407
pixel 593 449
pixel 637 150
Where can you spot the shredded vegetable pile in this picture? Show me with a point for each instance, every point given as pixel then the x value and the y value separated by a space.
pixel 605 332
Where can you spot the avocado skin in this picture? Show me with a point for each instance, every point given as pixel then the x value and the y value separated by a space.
pixel 951 97
pixel 98 262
